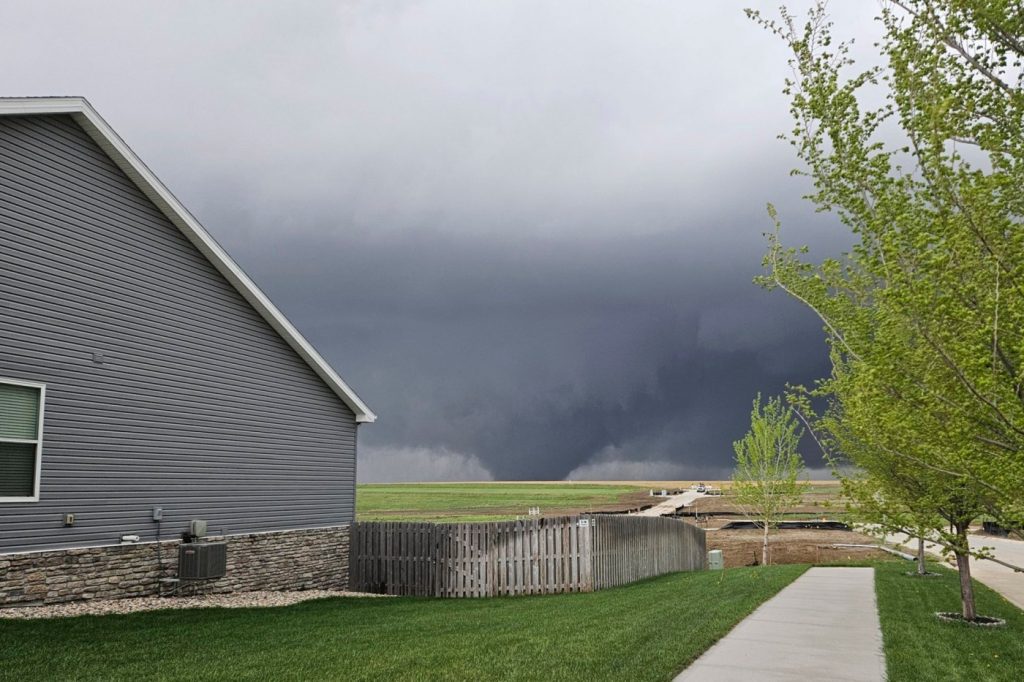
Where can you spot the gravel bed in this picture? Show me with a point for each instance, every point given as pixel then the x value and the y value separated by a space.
pixel 238 600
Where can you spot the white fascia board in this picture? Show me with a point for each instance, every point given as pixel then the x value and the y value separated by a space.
pixel 116 148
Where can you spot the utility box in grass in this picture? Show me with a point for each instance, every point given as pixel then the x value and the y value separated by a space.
pixel 716 562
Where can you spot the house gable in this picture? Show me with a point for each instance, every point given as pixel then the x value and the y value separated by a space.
pixel 161 197
pixel 166 385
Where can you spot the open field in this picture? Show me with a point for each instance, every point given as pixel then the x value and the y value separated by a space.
pixel 469 502
pixel 646 631
pixel 496 501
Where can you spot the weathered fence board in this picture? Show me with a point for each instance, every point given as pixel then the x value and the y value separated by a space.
pixel 632 548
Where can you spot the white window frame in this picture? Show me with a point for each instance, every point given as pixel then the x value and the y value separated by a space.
pixel 38 439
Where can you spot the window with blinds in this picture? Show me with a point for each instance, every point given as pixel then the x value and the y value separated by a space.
pixel 21 434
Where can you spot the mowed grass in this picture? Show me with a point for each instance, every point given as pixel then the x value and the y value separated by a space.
pixel 468 502
pixel 920 647
pixel 646 631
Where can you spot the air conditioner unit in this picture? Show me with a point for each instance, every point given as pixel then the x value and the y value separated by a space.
pixel 202 560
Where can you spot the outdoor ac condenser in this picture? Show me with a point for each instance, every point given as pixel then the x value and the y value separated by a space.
pixel 202 560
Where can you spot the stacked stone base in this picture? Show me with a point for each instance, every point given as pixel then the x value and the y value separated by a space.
pixel 279 561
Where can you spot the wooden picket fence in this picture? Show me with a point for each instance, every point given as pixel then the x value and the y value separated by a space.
pixel 535 556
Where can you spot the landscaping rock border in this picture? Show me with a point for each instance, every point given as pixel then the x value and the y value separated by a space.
pixel 979 622
pixel 239 600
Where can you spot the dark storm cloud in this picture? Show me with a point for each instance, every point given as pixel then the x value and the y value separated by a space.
pixel 524 232
pixel 542 358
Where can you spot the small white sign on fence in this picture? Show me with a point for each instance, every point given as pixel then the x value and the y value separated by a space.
pixel 583 523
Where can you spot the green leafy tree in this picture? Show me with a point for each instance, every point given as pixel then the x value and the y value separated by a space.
pixel 925 315
pixel 894 496
pixel 768 466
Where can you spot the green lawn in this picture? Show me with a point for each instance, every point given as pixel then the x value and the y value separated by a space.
pixel 484 501
pixel 645 631
pixel 919 647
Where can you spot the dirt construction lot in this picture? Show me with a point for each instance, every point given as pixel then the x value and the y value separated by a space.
pixel 821 500
pixel 743 547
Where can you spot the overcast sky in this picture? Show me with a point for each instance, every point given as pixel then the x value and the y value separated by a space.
pixel 524 232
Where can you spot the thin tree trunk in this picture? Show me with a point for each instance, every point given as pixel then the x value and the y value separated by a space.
pixel 921 568
pixel 764 547
pixel 963 565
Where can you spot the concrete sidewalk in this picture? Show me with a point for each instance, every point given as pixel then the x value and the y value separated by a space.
pixel 823 626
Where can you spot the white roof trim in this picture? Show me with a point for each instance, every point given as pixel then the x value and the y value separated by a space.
pixel 83 113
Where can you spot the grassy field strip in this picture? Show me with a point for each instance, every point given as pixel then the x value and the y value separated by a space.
pixel 644 632
pixel 468 502
pixel 920 647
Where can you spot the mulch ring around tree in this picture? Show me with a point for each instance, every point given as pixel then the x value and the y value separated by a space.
pixel 978 622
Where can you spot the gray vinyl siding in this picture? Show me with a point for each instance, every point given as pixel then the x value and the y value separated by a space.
pixel 198 405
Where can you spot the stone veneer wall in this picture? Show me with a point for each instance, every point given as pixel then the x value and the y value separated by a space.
pixel 285 560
